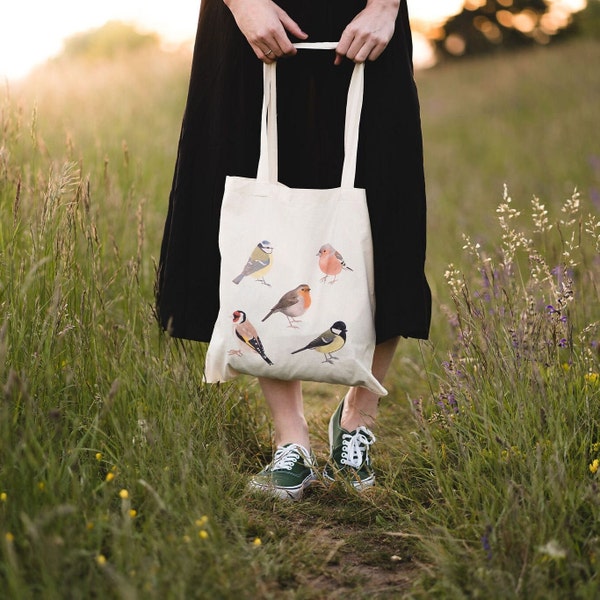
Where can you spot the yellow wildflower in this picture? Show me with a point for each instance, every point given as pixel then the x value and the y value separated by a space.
pixel 41 486
pixel 203 534
pixel 132 513
pixel 3 497
pixel 594 466
pixel 124 494
pixel 187 539
pixel 98 455
pixel 101 559
pixel 89 526
pixel 110 476
pixel 256 542
pixel 592 378
pixel 203 520
pixel 9 537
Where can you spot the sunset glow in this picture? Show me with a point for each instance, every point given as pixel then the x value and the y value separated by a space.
pixel 31 31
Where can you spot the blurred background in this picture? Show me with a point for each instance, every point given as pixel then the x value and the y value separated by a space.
pixel 31 31
pixel 509 93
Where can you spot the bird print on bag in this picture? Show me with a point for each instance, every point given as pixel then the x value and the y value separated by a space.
pixel 331 262
pixel 293 304
pixel 330 341
pixel 248 336
pixel 259 262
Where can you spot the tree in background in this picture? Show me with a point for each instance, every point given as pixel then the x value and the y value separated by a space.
pixel 112 40
pixel 486 26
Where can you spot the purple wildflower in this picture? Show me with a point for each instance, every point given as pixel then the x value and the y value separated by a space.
pixel 485 542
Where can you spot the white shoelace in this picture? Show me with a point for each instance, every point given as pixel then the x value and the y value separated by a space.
pixel 355 446
pixel 286 458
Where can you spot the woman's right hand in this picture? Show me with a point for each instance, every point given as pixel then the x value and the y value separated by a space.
pixel 264 25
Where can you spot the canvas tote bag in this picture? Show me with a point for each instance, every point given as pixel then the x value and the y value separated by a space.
pixel 296 280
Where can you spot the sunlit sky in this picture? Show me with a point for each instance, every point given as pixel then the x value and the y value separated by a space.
pixel 33 30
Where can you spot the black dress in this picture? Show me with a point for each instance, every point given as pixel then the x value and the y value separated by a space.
pixel 220 137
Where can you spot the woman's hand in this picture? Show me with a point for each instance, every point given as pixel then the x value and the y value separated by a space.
pixel 264 25
pixel 369 33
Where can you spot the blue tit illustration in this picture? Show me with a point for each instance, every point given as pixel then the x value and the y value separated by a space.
pixel 293 304
pixel 247 335
pixel 260 261
pixel 331 262
pixel 330 341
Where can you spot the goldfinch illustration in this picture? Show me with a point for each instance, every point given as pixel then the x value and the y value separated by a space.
pixel 331 262
pixel 293 304
pixel 245 332
pixel 260 261
pixel 330 341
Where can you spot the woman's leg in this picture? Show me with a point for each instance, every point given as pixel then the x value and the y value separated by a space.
pixel 349 427
pixel 291 470
pixel 284 399
pixel 361 405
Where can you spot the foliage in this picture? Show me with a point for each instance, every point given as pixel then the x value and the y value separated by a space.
pixel 492 25
pixel 109 41
pixel 512 436
pixel 587 22
pixel 122 475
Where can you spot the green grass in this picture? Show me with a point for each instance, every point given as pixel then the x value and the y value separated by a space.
pixel 123 476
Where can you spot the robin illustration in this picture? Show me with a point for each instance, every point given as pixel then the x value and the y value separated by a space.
pixel 258 264
pixel 330 341
pixel 331 262
pixel 293 304
pixel 245 332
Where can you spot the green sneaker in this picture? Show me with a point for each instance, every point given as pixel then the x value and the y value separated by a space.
pixel 288 475
pixel 349 453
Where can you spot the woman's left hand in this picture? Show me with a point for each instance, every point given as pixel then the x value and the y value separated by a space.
pixel 369 33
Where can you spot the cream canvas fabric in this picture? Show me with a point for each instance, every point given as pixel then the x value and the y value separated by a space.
pixel 296 288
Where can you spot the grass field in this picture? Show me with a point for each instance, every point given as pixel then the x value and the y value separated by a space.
pixel 123 476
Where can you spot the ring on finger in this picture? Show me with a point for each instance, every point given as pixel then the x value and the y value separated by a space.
pixel 268 52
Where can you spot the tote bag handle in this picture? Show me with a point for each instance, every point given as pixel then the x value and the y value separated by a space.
pixel 267 163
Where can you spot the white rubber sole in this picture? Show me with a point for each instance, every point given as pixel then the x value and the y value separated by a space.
pixel 287 493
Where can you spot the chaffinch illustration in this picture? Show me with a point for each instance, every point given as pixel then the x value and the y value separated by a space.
pixel 331 262
pixel 330 341
pixel 259 262
pixel 293 304
pixel 245 332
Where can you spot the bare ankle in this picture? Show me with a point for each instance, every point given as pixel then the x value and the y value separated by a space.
pixel 359 409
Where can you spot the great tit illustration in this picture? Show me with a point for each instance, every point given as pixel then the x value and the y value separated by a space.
pixel 330 341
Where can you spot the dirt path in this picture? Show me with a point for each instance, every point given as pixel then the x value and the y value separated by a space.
pixel 343 547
